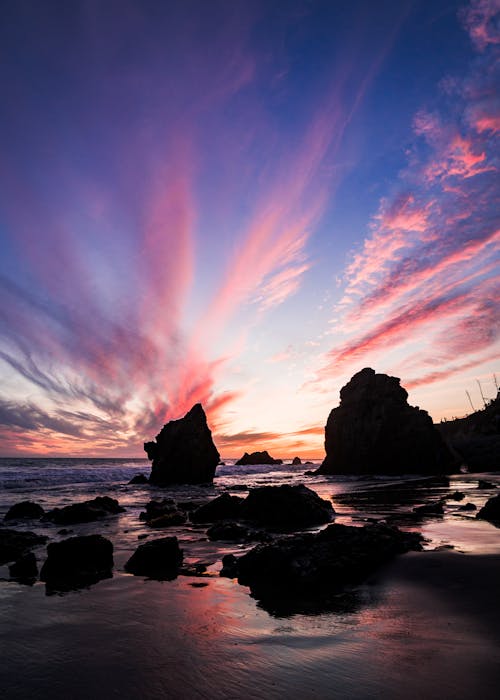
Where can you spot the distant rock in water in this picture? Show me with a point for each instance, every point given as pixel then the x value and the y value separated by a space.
pixel 296 461
pixel 183 451
pixel 258 458
pixel 375 431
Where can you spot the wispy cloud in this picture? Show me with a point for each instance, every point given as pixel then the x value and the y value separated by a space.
pixel 428 270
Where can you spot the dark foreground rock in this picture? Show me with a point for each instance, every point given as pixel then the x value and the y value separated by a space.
pixel 14 544
pixel 430 509
pixel 25 510
pixel 375 431
pixel 85 512
pixel 224 507
pixel 258 458
pixel 183 451
pixel 163 513
pixel 139 479
pixel 491 510
pixel 316 565
pixel 25 568
pixel 159 559
pixel 286 507
pixel 77 562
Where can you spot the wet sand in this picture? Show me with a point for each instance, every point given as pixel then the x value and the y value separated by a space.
pixel 426 626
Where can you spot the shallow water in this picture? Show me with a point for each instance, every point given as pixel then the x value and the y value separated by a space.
pixel 131 638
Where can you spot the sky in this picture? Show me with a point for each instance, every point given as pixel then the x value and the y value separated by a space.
pixel 242 203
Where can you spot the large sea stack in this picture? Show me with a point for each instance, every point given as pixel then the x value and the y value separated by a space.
pixel 375 431
pixel 183 451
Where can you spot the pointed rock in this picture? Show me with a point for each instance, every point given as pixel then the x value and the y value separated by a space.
pixel 183 451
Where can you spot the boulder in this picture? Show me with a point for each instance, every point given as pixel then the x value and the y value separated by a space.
pixel 183 451
pixel 457 496
pixel 468 506
pixel 173 517
pixel 14 544
pixel 25 568
pixel 430 509
pixel 159 559
pixel 296 461
pixel 139 479
pixel 25 510
pixel 317 565
pixel 483 484
pixel 286 507
pixel 85 512
pixel 155 509
pixel 224 507
pixel 258 458
pixel 77 562
pixel 491 510
pixel 375 431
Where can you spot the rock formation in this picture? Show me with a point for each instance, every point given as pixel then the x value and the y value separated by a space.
pixel 85 512
pixel 296 461
pixel 286 506
pixel 491 510
pixel 77 562
pixel 183 451
pixel 281 574
pixel 158 559
pixel 258 458
pixel 25 510
pixel 375 431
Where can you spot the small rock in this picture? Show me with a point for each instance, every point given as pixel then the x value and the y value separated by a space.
pixel 139 479
pixel 25 510
pixel 14 544
pixel 430 509
pixel 468 506
pixel 229 566
pixel 159 559
pixel 491 510
pixel 483 484
pixel 175 517
pixel 457 496
pixel 24 568
pixel 296 461
pixel 84 512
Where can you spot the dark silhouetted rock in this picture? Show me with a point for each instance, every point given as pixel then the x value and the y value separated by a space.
pixel 468 506
pixel 296 461
pixel 258 458
pixel 430 509
pixel 25 510
pixel 174 517
pixel 284 571
pixel 224 507
pixel 375 431
pixel 25 568
pixel 229 566
pixel 14 544
pixel 491 510
pixel 184 452
pixel 158 559
pixel 483 484
pixel 457 496
pixel 139 479
pixel 235 532
pixel 286 507
pixel 77 562
pixel 85 512
pixel 155 509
